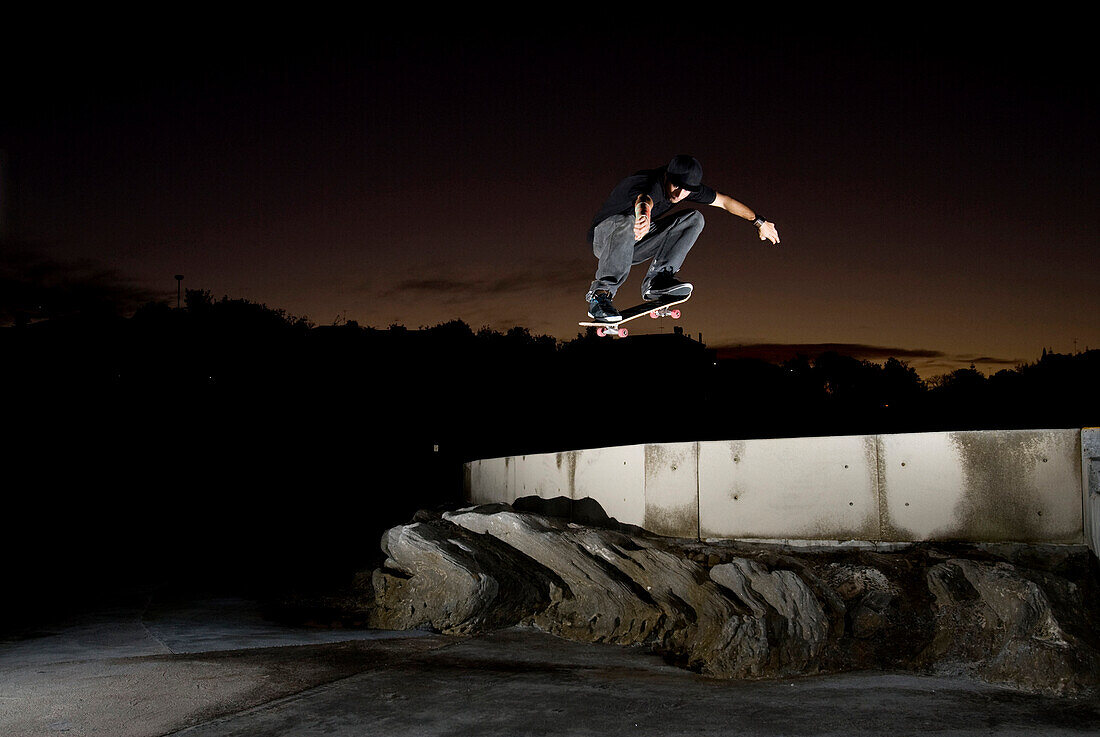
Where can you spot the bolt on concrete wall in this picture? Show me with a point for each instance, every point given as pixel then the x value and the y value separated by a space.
pixel 1020 485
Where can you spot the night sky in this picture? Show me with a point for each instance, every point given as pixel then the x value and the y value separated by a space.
pixel 933 180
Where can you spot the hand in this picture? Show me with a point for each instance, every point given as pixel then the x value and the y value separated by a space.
pixel 767 232
pixel 643 205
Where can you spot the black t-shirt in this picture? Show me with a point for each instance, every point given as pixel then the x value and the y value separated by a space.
pixel 652 183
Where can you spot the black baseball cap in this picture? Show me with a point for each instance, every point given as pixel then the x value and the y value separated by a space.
pixel 686 172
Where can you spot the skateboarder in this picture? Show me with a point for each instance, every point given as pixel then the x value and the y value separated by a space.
pixel 629 229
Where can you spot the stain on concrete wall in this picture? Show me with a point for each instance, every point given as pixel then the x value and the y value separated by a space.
pixel 672 489
pixel 886 524
pixel 875 458
pixel 1090 486
pixel 1002 499
pixel 567 464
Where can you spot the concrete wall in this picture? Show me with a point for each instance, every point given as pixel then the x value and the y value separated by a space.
pixel 1090 485
pixel 1019 485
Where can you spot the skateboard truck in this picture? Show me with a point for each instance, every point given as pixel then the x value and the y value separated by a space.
pixel 665 312
pixel 617 332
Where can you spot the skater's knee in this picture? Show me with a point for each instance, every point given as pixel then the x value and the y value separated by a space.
pixel 694 219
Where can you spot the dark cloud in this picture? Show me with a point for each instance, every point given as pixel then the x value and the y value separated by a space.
pixel 991 360
pixel 783 351
pixel 34 287
pixel 523 278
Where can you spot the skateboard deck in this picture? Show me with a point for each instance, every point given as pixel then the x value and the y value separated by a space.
pixel 657 308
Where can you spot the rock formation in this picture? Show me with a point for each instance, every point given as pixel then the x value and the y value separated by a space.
pixel 992 622
pixel 1016 615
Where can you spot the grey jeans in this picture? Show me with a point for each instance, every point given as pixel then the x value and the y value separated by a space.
pixel 667 243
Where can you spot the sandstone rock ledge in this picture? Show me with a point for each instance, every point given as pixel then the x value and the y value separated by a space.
pixel 1022 616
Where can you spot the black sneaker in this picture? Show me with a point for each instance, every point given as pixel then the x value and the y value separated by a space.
pixel 665 283
pixel 600 308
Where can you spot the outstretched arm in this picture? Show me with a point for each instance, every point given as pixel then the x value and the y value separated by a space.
pixel 732 206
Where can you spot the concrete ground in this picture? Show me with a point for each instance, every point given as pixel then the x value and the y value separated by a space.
pixel 215 667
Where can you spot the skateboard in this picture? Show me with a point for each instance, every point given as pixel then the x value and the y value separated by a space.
pixel 657 308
